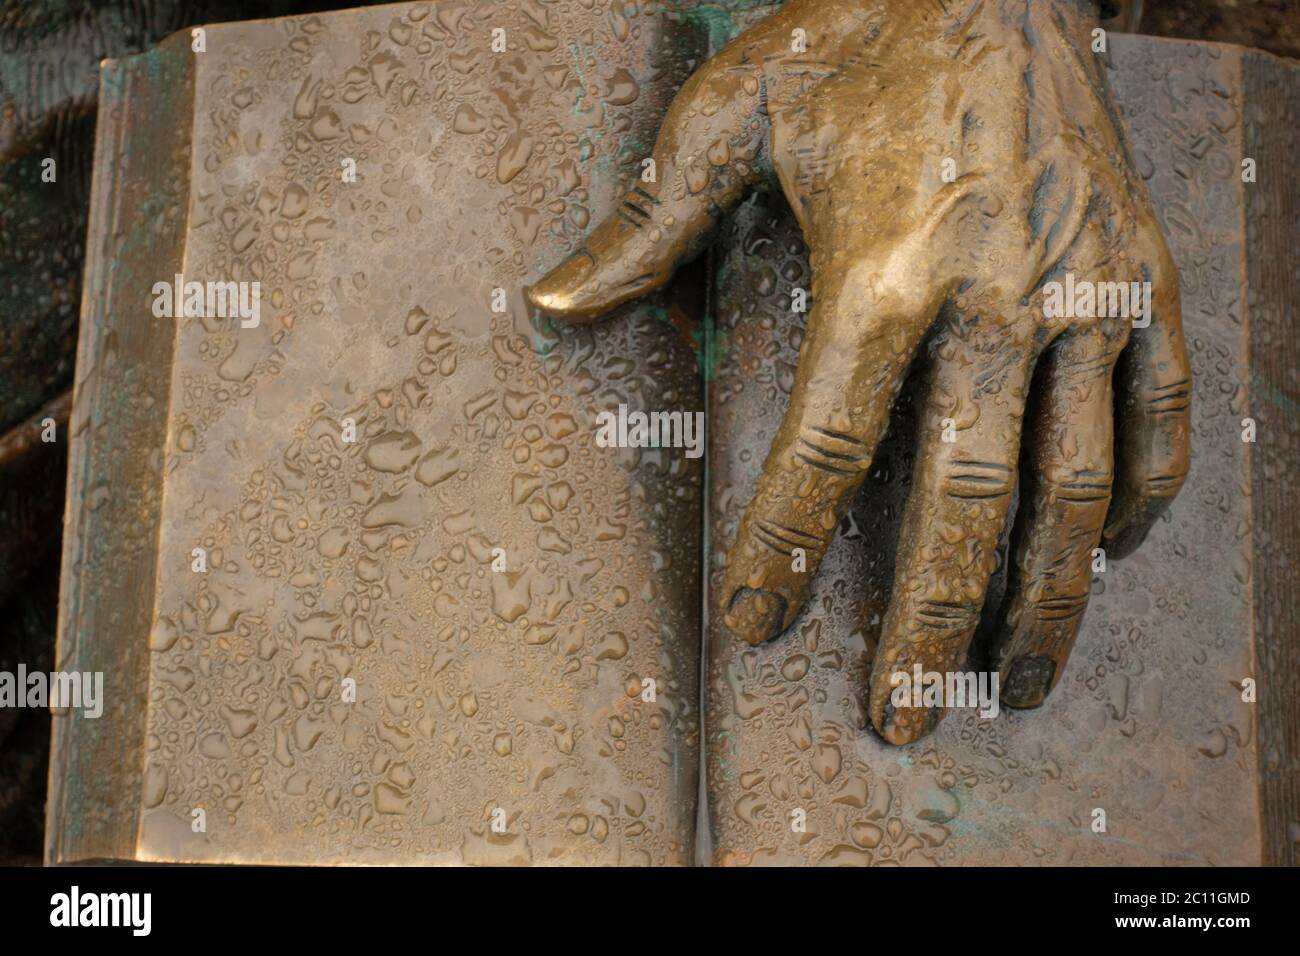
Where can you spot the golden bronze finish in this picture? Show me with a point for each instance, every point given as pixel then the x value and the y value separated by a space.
pixel 475 173
pixel 1148 724
pixel 433 621
pixel 946 168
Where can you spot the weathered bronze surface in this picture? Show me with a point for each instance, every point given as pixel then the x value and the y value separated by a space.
pixel 1148 723
pixel 1270 87
pixel 480 691
pixel 49 81
pixel 945 167
pixel 515 697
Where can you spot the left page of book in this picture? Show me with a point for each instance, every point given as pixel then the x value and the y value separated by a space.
pixel 361 582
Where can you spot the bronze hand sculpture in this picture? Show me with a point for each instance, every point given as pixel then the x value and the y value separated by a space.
pixel 963 183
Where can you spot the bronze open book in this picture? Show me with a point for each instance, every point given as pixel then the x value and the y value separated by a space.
pixel 365 587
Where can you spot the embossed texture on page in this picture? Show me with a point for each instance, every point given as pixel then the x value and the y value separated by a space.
pixel 498 588
pixel 1148 723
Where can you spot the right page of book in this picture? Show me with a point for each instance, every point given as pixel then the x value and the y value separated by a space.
pixel 1148 722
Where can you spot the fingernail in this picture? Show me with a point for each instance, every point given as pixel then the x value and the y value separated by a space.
pixel 903 732
pixel 1029 681
pixel 557 292
pixel 885 726
pixel 1123 539
pixel 755 616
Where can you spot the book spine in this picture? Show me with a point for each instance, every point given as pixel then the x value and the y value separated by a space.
pixel 136 235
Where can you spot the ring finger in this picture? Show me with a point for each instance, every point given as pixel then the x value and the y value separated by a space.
pixel 1062 511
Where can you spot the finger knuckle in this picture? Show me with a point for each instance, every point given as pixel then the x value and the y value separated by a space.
pixel 1169 398
pixel 946 616
pixel 832 451
pixel 1055 608
pixel 785 539
pixel 969 479
pixel 1078 485
pixel 1165 484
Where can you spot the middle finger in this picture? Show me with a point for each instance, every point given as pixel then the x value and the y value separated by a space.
pixel 968 445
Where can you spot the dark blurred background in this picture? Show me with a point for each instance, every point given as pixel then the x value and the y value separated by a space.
pixel 1272 25
pixel 49 56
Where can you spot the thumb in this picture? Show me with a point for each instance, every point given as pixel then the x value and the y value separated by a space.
pixel 703 162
